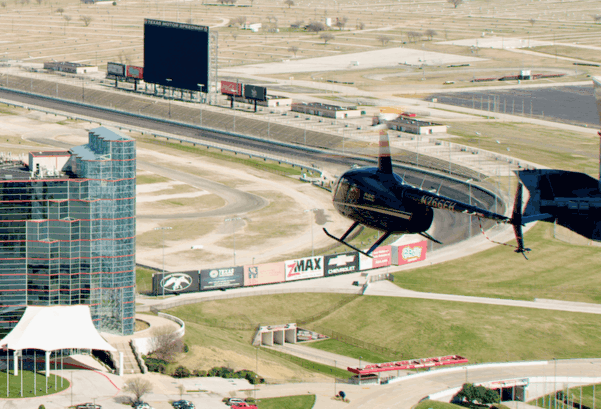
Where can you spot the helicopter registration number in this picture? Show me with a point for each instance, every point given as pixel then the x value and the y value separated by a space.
pixel 439 203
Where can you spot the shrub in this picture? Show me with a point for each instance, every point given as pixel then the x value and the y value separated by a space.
pixel 181 372
pixel 41 407
pixel 197 372
pixel 186 348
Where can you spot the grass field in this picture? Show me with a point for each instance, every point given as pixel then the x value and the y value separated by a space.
pixel 337 347
pixel 28 385
pixel 590 398
pixel 416 328
pixel 555 270
pixel 555 148
pixel 288 402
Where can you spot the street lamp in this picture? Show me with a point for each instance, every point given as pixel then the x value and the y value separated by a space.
pixel 200 101
pixel 163 229
pixel 169 80
pixel 233 219
pixel 469 182
pixel 311 226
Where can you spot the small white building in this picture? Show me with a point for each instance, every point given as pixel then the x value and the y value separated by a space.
pixel 70 67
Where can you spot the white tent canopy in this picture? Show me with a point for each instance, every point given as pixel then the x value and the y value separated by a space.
pixel 56 327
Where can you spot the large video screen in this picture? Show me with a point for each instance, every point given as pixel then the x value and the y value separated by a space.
pixel 176 54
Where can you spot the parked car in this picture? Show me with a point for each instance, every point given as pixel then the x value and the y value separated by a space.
pixel 233 401
pixel 183 404
pixel 88 406
pixel 141 405
pixel 243 405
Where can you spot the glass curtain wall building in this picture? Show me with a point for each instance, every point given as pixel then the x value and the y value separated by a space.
pixel 67 231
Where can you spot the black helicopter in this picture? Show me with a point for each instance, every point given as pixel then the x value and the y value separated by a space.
pixel 380 199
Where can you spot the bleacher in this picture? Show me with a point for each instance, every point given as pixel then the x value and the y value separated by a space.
pixel 302 132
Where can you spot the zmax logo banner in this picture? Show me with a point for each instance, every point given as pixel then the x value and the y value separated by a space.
pixel 341 263
pixel 308 267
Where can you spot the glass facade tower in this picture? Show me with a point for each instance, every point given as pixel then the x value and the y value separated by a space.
pixel 67 232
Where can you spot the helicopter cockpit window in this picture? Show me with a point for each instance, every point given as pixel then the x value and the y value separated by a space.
pixel 341 190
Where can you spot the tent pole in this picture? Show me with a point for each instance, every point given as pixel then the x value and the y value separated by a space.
pixel 7 373
pixel 62 367
pixel 35 374
pixel 55 369
pixel 21 373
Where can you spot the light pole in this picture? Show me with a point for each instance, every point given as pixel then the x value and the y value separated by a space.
pixel 555 382
pixel 311 226
pixel 335 367
pixel 233 219
pixel 163 229
pixel 469 182
pixel 200 101
pixel 169 80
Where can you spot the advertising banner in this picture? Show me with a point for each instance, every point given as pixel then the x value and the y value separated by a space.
pixel 308 267
pixel 410 253
pixel 231 88
pixel 176 283
pixel 341 263
pixel 114 68
pixel 382 256
pixel 254 92
pixel 264 274
pixel 135 72
pixel 216 278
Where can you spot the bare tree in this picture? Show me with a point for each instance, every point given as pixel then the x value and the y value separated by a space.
pixel 455 3
pixel 234 35
pixel 238 21
pixel 341 22
pixel 60 10
pixel 383 39
pixel 67 18
pixel 289 3
pixel 3 4
pixel 414 36
pixel 164 342
pixel 316 26
pixel 430 33
pixel 297 24
pixel 182 389
pixel 86 20
pixel 326 37
pixel 39 2
pixel 360 25
pixel 293 49
pixel 532 21
pixel 138 387
pixel 597 18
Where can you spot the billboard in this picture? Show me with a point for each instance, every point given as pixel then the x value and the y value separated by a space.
pixel 176 54
pixel 409 253
pixel 381 257
pixel 231 88
pixel 115 68
pixel 341 263
pixel 176 283
pixel 135 72
pixel 263 274
pixel 254 92
pixel 216 278
pixel 308 267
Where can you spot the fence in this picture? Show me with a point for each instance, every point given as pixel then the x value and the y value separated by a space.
pixel 347 339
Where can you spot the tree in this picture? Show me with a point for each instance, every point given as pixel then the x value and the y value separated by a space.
pixel 165 343
pixel 138 387
pixel 477 394
pixel 86 20
pixel 360 25
pixel 182 389
pixel 67 18
pixel 414 36
pixel 430 33
pixel 597 18
pixel 60 10
pixel 316 26
pixel 289 3
pixel 532 21
pixel 293 49
pixel 239 21
pixel 3 4
pixel 39 2
pixel 341 22
pixel 234 36
pixel 455 3
pixel 297 24
pixel 326 37
pixel 383 39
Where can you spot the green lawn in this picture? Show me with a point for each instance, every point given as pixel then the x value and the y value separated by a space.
pixel 28 385
pixel 574 395
pixel 552 147
pixel 338 372
pixel 337 347
pixel 144 280
pixel 555 270
pixel 288 402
